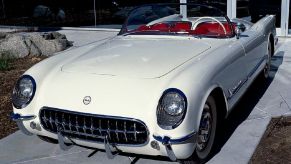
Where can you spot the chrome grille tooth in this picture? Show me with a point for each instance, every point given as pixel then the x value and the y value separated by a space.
pixel 56 120
pixel 134 129
pixel 124 130
pixel 51 119
pixel 108 129
pixel 63 121
pixel 92 126
pixel 84 125
pixel 116 131
pixel 99 129
pixel 45 119
pixel 70 123
pixel 77 125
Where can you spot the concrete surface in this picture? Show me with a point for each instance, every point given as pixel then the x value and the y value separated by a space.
pixel 241 133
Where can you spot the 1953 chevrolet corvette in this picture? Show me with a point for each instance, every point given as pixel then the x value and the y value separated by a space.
pixel 160 87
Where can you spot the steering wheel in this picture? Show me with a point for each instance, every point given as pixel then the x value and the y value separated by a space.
pixel 196 23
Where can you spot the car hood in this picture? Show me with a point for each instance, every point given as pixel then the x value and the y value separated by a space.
pixel 136 58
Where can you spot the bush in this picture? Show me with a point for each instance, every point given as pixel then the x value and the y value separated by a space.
pixel 5 58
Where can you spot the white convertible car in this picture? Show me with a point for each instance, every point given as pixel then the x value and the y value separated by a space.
pixel 160 87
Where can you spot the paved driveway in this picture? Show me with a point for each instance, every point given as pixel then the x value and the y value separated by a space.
pixel 242 131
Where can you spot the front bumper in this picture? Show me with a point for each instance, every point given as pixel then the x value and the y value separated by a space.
pixel 168 142
pixel 173 147
pixel 19 121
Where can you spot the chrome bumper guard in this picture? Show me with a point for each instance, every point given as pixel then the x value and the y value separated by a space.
pixel 66 143
pixel 168 142
pixel 19 121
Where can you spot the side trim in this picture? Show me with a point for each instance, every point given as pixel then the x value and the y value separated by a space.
pixel 257 66
pixel 236 89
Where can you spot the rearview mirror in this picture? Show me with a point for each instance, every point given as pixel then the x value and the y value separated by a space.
pixel 239 29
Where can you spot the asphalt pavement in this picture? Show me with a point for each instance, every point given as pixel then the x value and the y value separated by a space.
pixel 242 130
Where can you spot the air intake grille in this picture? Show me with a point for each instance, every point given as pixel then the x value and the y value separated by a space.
pixel 121 131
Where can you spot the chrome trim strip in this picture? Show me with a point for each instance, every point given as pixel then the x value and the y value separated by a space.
pixel 257 66
pixel 235 90
pixel 18 117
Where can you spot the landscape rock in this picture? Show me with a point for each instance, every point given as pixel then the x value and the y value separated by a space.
pixel 41 11
pixel 34 44
pixel 61 15
pixel 2 35
pixel 15 45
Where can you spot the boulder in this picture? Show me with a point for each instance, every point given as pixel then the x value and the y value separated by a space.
pixel 42 11
pixel 49 43
pixel 34 44
pixel 2 35
pixel 15 45
pixel 61 15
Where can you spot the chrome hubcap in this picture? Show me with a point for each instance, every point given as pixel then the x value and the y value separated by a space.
pixel 204 128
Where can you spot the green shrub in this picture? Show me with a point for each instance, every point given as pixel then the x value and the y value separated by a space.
pixel 5 59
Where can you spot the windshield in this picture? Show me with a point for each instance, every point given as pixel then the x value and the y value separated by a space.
pixel 178 19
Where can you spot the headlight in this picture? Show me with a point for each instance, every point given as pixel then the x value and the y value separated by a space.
pixel 171 109
pixel 23 92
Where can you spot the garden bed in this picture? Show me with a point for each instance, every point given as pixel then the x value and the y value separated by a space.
pixel 10 71
pixel 275 146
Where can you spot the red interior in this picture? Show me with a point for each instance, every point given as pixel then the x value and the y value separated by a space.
pixel 206 28
pixel 212 28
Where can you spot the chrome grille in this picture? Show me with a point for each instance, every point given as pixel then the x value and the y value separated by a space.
pixel 94 128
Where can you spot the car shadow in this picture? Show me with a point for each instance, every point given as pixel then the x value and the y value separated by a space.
pixel 247 103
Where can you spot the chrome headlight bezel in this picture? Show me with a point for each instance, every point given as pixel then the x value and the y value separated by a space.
pixel 167 120
pixel 21 102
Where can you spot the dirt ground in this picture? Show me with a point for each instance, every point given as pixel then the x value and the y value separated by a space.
pixel 275 146
pixel 7 80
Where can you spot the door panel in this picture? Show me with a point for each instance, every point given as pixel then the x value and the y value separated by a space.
pixel 233 77
pixel 255 49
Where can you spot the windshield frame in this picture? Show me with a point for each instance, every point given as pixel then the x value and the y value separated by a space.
pixel 124 31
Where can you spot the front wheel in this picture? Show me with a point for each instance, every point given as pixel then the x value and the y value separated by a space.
pixel 206 133
pixel 266 71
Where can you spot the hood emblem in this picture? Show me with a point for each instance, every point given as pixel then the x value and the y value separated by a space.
pixel 87 100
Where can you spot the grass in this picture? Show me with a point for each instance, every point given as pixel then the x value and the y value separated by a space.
pixel 5 59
